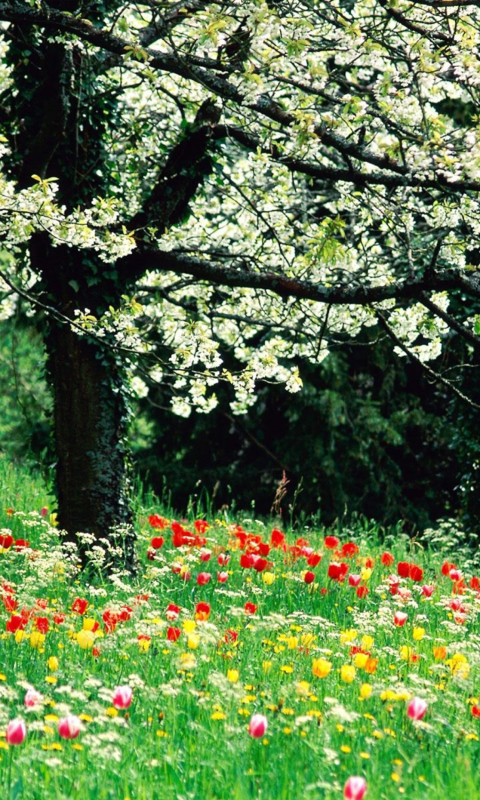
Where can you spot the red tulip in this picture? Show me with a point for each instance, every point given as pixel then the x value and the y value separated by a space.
pixel 400 618
pixel 331 542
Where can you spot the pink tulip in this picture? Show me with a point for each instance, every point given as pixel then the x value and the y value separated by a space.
pixel 354 580
pixel 205 555
pixel 258 726
pixel 417 708
pixel 69 727
pixel 222 577
pixel 16 731
pixel 223 559
pixel 122 697
pixel 32 698
pixel 355 788
pixel 203 578
pixel 400 618
pixel 427 590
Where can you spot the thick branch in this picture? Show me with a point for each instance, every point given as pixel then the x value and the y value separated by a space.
pixel 346 294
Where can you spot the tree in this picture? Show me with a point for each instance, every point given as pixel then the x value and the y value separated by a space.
pixel 200 191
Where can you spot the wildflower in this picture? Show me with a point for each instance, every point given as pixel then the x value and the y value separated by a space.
pixel 16 731
pixel 355 788
pixel 69 727
pixel 122 697
pixel 321 668
pixel 417 708
pixel 258 726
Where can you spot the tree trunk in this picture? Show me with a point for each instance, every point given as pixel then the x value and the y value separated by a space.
pixel 90 414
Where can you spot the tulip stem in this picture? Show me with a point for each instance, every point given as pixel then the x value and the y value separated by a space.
pixel 9 777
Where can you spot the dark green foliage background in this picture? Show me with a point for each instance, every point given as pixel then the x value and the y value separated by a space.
pixel 369 434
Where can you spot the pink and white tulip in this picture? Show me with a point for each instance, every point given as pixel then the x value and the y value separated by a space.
pixel 16 731
pixel 258 726
pixel 122 696
pixel 32 698
pixel 69 727
pixel 417 708
pixel 355 788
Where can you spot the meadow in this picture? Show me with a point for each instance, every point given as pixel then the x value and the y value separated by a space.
pixel 245 660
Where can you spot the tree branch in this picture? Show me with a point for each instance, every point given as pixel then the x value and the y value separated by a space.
pixel 429 371
pixel 284 286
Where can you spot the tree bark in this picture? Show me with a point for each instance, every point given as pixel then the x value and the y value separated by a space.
pixel 90 415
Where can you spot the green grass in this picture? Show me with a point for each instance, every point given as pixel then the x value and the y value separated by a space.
pixel 186 733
